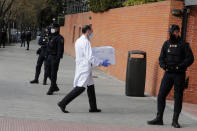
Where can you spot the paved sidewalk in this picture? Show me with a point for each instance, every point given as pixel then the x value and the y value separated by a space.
pixel 26 107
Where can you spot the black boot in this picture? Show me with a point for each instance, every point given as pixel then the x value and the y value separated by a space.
pixel 175 122
pixel 92 99
pixel 56 89
pixel 68 98
pixel 34 81
pixel 52 90
pixel 157 121
pixel 45 81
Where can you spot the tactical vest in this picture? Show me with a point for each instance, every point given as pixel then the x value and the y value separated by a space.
pixel 53 45
pixel 175 53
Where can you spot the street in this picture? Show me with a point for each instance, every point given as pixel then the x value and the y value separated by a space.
pixel 26 107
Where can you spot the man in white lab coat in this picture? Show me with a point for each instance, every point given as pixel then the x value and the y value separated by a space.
pixel 83 72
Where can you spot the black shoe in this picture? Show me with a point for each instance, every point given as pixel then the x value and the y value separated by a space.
pixel 56 89
pixel 175 122
pixel 34 82
pixel 157 121
pixel 62 108
pixel 94 110
pixel 50 92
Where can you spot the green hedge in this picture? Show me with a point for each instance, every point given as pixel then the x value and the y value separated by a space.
pixel 103 5
pixel 139 2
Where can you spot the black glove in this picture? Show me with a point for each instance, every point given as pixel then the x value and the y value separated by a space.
pixel 38 51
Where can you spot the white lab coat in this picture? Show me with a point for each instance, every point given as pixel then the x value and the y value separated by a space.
pixel 84 63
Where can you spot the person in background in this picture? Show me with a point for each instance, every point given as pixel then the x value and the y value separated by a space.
pixel 28 38
pixel 23 39
pixel 3 38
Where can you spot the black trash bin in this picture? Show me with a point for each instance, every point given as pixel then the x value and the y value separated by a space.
pixel 136 74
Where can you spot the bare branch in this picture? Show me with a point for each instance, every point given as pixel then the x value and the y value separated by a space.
pixel 8 8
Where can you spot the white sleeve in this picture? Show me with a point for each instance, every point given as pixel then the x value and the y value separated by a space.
pixel 94 61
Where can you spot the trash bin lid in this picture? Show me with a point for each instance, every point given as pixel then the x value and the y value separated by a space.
pixel 137 52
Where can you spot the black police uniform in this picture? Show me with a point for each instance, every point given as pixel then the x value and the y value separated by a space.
pixel 175 58
pixel 23 39
pixel 55 50
pixel 42 52
pixel 28 38
pixel 3 38
pixel 0 38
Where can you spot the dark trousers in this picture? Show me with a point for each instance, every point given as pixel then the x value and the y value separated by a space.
pixel 28 44
pixel 22 43
pixel 170 79
pixel 2 42
pixel 40 61
pixel 76 92
pixel 52 69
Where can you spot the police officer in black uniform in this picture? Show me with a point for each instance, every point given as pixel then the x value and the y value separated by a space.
pixel 28 38
pixel 42 52
pixel 23 39
pixel 176 56
pixel 3 38
pixel 55 50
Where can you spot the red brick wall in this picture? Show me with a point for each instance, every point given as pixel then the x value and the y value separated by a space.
pixel 191 93
pixel 142 27
pixel 73 23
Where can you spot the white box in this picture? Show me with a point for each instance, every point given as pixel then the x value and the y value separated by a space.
pixel 105 52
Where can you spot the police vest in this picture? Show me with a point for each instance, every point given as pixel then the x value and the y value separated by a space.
pixel 52 45
pixel 175 53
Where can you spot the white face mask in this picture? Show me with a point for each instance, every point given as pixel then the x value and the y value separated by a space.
pixel 52 30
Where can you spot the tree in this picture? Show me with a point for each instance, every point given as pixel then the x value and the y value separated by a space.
pixel 25 12
pixel 5 6
pixel 53 9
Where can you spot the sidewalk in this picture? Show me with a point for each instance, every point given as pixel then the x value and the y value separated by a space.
pixel 26 107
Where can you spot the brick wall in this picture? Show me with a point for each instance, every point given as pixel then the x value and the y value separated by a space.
pixel 142 27
pixel 191 93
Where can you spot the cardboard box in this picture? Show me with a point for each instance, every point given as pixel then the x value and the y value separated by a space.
pixel 105 52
